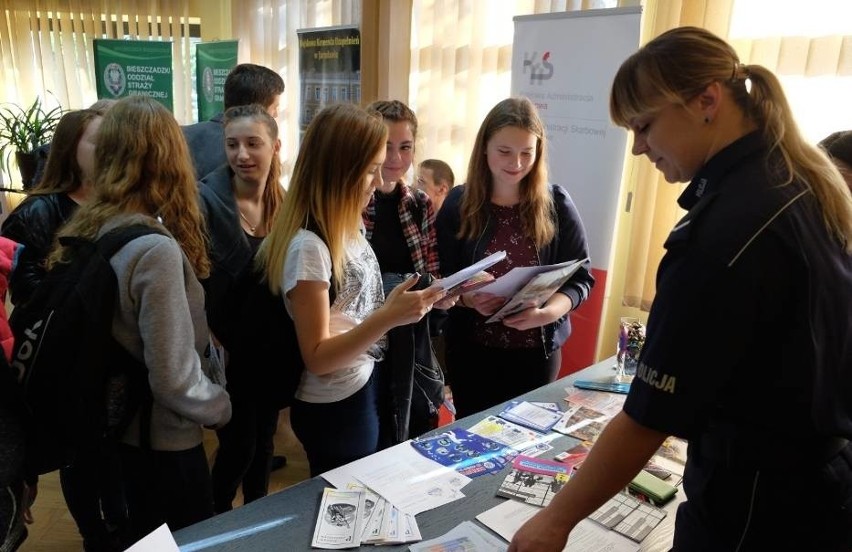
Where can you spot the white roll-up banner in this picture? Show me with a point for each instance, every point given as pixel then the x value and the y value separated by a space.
pixel 565 62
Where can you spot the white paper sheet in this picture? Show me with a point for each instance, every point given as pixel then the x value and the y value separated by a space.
pixel 455 279
pixel 506 518
pixel 404 477
pixel 159 540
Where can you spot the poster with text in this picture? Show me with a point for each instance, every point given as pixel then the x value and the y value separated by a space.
pixel 565 62
pixel 329 70
pixel 134 68
pixel 213 62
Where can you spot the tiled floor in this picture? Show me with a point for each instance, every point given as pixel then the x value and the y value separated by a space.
pixel 54 529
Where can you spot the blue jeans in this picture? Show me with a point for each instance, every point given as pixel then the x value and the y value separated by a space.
pixel 334 434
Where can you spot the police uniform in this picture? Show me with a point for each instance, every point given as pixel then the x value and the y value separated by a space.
pixel 747 357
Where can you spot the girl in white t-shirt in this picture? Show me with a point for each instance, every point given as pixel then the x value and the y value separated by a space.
pixel 316 257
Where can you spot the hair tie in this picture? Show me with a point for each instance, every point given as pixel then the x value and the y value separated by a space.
pixel 740 72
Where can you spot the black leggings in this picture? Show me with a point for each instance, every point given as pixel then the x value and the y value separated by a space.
pixel 244 456
pixel 165 487
pixel 483 377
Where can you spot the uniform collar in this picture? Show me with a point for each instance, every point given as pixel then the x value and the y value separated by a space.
pixel 711 174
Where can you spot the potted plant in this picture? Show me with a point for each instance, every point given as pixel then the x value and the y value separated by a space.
pixel 22 130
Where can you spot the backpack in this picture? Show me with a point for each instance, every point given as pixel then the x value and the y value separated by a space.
pixel 80 385
pixel 264 360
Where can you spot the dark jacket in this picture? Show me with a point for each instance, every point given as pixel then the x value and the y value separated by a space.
pixel 34 224
pixel 568 244
pixel 230 251
pixel 206 141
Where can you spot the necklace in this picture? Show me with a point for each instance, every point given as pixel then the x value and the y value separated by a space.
pixel 252 228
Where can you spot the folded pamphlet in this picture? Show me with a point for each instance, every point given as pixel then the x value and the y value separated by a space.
pixel 470 278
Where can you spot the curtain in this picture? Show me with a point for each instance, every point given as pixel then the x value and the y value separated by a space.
pixel 46 47
pixel 809 47
pixel 461 65
pixel 267 32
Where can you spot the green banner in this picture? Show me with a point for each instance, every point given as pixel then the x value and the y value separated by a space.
pixel 329 69
pixel 134 68
pixel 213 62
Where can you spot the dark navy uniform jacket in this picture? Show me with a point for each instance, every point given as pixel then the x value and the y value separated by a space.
pixel 749 338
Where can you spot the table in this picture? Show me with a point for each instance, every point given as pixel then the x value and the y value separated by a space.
pixel 285 520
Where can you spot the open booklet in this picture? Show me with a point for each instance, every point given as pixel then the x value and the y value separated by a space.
pixel 536 287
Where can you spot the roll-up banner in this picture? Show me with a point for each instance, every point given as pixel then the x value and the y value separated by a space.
pixel 213 62
pixel 134 68
pixel 565 62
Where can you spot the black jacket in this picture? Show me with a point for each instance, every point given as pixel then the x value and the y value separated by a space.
pixel 568 244
pixel 206 141
pixel 230 251
pixel 34 223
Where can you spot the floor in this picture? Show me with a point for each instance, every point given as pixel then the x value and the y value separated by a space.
pixel 54 529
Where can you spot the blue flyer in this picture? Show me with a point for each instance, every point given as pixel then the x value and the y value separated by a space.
pixel 466 452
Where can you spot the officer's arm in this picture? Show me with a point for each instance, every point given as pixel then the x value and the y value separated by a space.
pixel 622 449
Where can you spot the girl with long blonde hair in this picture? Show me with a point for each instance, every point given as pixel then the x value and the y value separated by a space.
pixel 318 260
pixel 747 354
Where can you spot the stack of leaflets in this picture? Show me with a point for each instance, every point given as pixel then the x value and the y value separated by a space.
pixel 355 516
pixel 534 480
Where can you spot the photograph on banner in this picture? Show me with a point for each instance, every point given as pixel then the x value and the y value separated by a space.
pixel 134 68
pixel 329 70
pixel 213 62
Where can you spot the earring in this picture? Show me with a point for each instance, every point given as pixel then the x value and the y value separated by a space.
pixel 707 120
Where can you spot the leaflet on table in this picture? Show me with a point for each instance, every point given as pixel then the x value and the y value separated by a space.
pixel 604 384
pixel 508 433
pixel 340 519
pixel 403 477
pixel 452 283
pixel 534 480
pixel 508 516
pixel 464 537
pixel 536 292
pixel 629 516
pixel 466 452
pixel 531 415
pixel 581 422
pixel 510 283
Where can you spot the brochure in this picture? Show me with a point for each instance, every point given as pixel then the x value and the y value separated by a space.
pixel 536 291
pixel 581 422
pixel 469 278
pixel 510 283
pixel 466 452
pixel 629 516
pixel 534 480
pixel 531 415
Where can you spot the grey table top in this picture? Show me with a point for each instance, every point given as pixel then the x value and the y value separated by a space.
pixel 285 520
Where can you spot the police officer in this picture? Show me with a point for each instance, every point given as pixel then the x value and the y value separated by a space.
pixel 747 353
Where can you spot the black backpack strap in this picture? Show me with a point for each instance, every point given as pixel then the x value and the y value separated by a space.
pixel 108 245
pixel 115 239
